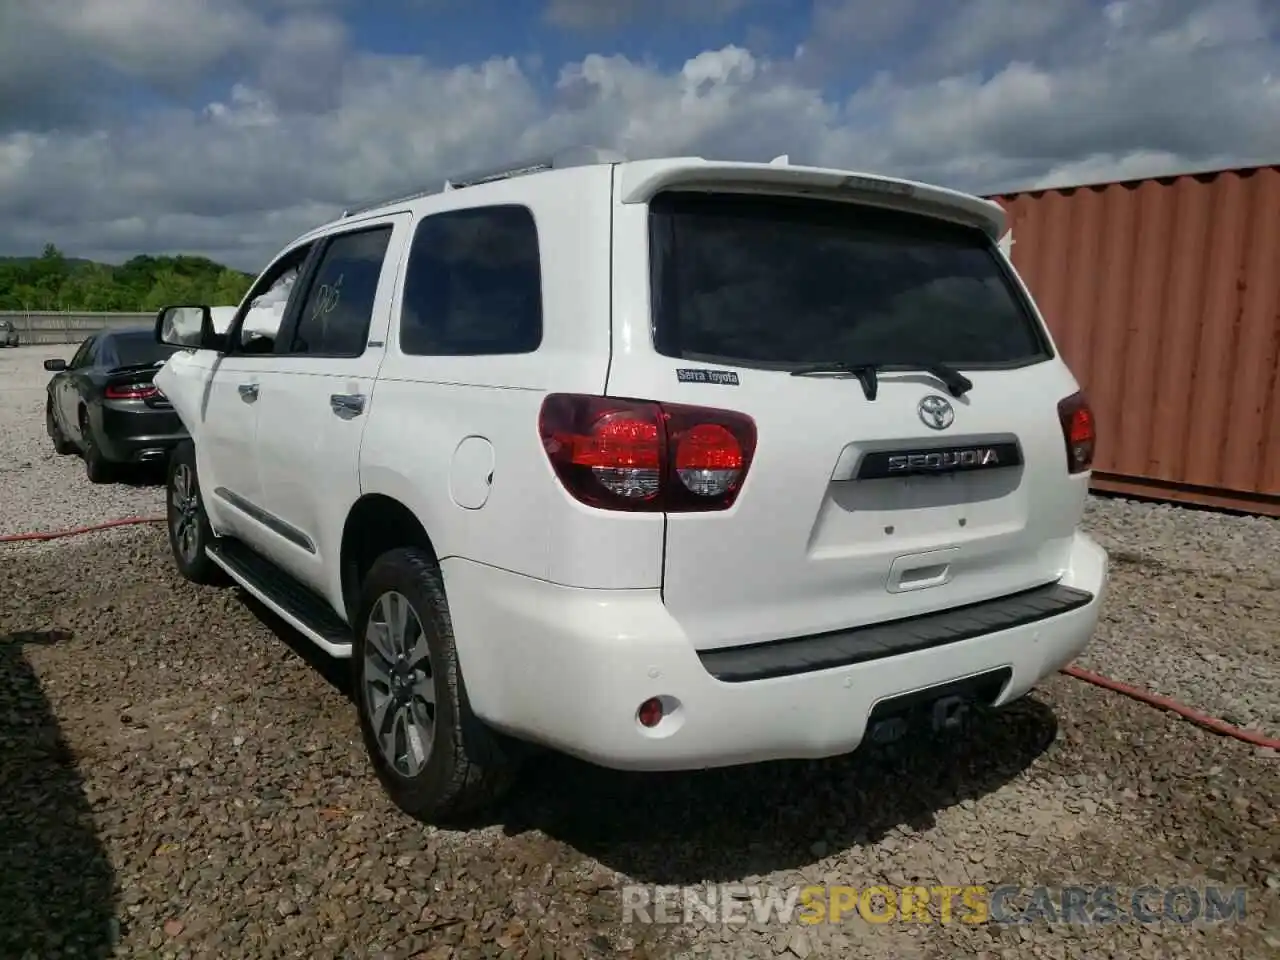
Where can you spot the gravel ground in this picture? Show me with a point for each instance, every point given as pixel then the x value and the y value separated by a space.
pixel 38 489
pixel 183 776
pixel 1195 608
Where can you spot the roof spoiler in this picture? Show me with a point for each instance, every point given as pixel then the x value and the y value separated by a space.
pixel 642 180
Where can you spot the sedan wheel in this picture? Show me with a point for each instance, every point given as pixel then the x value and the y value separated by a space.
pixel 96 467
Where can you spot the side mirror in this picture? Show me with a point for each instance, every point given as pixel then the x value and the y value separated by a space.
pixel 53 366
pixel 189 327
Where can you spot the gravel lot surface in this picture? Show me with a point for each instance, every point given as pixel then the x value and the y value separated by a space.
pixel 38 489
pixel 182 776
pixel 1194 612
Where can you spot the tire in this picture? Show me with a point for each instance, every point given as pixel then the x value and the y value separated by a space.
pixel 186 521
pixel 467 766
pixel 96 467
pixel 61 445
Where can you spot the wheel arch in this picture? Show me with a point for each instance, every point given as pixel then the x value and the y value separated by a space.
pixel 375 524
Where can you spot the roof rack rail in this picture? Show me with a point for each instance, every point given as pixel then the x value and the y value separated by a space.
pixel 571 157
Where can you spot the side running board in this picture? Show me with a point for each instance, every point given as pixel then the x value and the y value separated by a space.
pixel 302 609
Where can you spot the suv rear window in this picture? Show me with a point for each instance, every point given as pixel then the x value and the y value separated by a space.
pixel 778 282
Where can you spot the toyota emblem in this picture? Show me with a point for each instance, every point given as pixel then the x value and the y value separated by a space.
pixel 936 412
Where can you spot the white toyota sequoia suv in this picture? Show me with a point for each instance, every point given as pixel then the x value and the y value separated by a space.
pixel 665 464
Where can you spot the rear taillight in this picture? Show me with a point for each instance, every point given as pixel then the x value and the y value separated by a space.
pixel 644 456
pixel 1078 432
pixel 130 391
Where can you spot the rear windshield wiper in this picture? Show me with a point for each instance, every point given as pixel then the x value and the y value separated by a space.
pixel 957 383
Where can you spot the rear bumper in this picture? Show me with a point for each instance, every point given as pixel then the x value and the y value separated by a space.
pixel 129 431
pixel 568 668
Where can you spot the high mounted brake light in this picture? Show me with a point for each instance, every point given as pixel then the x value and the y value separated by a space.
pixel 638 455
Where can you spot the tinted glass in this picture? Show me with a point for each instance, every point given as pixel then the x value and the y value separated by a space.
pixel 779 282
pixel 474 284
pixel 130 349
pixel 334 320
pixel 82 355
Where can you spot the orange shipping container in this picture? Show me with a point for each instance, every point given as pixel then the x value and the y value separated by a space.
pixel 1164 298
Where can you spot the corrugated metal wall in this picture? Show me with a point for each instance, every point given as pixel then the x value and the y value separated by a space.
pixel 1164 298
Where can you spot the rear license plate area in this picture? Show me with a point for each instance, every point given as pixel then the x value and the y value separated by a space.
pixel 938 708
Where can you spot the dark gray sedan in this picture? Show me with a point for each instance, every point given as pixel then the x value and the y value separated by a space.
pixel 104 405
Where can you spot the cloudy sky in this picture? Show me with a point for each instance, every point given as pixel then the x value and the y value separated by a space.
pixel 227 127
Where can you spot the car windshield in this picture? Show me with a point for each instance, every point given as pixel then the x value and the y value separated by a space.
pixel 778 282
pixel 135 349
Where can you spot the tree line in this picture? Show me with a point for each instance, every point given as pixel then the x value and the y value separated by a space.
pixel 53 281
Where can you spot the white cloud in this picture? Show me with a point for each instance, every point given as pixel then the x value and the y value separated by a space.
pixel 1003 28
pixel 63 61
pixel 1102 167
pixel 151 37
pixel 1026 94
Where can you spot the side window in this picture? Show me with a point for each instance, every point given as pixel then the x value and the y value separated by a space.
pixel 473 286
pixel 334 319
pixel 266 304
pixel 81 358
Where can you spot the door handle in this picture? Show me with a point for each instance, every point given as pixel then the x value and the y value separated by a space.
pixel 248 392
pixel 347 405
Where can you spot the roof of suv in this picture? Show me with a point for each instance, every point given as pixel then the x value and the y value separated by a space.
pixel 642 179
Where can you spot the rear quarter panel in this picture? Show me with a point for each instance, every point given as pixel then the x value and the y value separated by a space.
pixel 434 420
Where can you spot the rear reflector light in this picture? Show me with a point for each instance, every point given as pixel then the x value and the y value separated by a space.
pixel 1078 432
pixel 643 456
pixel 131 391
pixel 650 712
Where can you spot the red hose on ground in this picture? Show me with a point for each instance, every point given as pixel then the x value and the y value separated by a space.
pixel 1142 696
pixel 77 531
pixel 1164 703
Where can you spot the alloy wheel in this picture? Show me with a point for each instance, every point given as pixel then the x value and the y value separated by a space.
pixel 185 521
pixel 399 694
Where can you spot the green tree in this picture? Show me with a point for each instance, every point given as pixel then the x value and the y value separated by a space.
pixel 54 282
pixel 230 288
pixel 170 287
